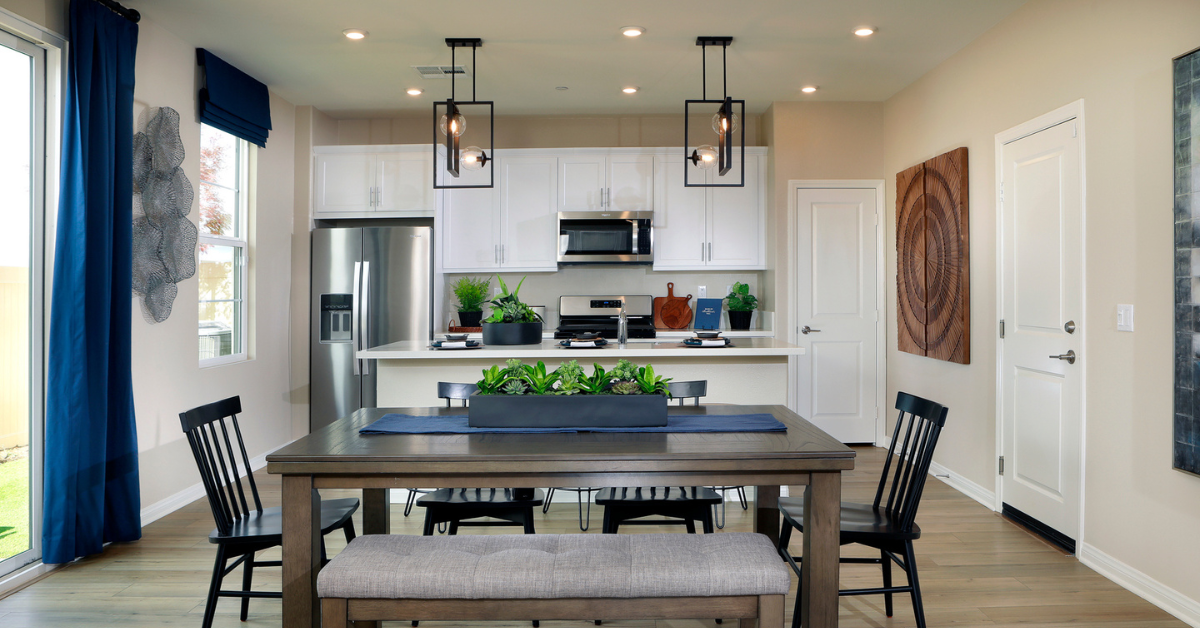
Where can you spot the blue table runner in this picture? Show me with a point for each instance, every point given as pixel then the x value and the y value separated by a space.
pixel 413 424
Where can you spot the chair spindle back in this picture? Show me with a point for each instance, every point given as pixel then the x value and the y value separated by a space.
pixel 688 390
pixel 917 430
pixel 217 459
pixel 452 390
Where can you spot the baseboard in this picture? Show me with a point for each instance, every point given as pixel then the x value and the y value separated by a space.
pixel 1153 591
pixel 964 486
pixel 164 507
pixel 23 577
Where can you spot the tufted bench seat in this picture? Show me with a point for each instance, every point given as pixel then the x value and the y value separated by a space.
pixel 554 576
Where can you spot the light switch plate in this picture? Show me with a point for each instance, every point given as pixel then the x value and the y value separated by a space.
pixel 1124 317
pixel 701 291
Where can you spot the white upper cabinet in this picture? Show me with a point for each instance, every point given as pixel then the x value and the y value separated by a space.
pixel 589 182
pixel 721 228
pixel 343 183
pixel 529 214
pixel 470 230
pixel 373 181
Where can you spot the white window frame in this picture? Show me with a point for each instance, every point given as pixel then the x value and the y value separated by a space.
pixel 241 332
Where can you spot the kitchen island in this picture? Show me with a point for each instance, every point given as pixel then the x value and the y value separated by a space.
pixel 752 371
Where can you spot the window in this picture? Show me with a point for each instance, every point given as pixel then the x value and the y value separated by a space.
pixel 224 254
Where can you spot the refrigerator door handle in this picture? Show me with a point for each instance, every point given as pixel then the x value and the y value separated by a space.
pixel 366 314
pixel 356 333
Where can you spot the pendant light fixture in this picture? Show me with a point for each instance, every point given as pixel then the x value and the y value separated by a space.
pixel 449 126
pixel 725 123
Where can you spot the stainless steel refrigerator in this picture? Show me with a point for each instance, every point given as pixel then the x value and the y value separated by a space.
pixel 370 286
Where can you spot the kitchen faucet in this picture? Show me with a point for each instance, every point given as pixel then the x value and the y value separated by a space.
pixel 622 326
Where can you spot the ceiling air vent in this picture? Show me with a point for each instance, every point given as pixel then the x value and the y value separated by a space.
pixel 439 71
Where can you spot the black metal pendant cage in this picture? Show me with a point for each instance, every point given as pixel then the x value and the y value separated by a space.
pixel 447 151
pixel 729 111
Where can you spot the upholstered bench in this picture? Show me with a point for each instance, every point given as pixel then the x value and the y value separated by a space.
pixel 554 576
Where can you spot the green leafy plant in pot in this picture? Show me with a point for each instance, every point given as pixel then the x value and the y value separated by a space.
pixel 741 306
pixel 511 322
pixel 471 293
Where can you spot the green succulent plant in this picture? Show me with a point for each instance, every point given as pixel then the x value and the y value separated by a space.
pixel 570 370
pixel 471 293
pixel 598 382
pixel 514 387
pixel 625 371
pixel 626 388
pixel 539 381
pixel 739 298
pixel 568 386
pixel 649 383
pixel 508 308
pixel 513 368
pixel 493 380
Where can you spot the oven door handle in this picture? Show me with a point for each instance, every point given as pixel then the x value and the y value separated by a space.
pixel 634 228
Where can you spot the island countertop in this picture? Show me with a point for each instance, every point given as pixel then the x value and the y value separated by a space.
pixel 550 350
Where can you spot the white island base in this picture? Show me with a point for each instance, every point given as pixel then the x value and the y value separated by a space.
pixel 753 371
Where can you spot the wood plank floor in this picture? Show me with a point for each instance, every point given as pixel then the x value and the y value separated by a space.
pixel 976 570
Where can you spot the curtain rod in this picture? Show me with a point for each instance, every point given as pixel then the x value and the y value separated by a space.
pixel 130 14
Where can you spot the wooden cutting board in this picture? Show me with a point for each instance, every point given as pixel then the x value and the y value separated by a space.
pixel 672 312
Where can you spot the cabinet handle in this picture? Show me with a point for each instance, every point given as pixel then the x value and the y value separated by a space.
pixel 710 251
pixel 702 251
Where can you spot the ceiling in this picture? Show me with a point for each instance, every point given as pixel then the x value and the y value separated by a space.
pixel 530 47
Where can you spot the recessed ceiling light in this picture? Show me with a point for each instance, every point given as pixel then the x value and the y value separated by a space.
pixel 414 91
pixel 355 33
pixel 864 31
pixel 630 90
pixel 808 89
pixel 632 31
pixel 562 88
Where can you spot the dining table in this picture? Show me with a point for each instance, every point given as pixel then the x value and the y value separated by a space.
pixel 337 456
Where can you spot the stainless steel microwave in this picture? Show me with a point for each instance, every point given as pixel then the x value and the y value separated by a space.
pixel 605 237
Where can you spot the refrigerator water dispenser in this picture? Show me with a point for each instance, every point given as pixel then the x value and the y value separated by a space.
pixel 336 316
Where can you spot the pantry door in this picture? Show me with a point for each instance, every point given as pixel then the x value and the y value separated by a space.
pixel 838 257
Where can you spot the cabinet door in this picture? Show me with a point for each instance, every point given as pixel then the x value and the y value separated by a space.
pixel 679 231
pixel 736 221
pixel 342 183
pixel 580 183
pixel 630 183
pixel 405 182
pixel 528 191
pixel 470 230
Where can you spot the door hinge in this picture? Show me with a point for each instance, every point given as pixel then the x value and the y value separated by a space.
pixel 1074 129
pixel 1001 192
pixel 1001 465
pixel 1002 328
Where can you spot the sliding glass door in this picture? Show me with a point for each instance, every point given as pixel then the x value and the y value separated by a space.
pixel 22 201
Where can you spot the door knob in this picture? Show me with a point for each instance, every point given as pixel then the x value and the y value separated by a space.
pixel 1069 356
pixel 1069 327
pixel 806 330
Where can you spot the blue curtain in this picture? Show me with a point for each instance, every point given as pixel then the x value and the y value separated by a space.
pixel 91 467
pixel 233 101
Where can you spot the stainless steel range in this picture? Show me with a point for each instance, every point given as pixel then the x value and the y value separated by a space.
pixel 582 314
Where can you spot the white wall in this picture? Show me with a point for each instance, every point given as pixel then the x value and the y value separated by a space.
pixel 166 375
pixel 1116 56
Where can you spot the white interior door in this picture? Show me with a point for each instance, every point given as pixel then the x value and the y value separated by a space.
pixel 837 286
pixel 1041 218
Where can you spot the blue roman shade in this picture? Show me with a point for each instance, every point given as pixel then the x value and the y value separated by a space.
pixel 232 100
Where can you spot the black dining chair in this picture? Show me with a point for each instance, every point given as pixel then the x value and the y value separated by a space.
pixel 456 506
pixel 447 391
pixel 243 528
pixel 889 523
pixel 694 390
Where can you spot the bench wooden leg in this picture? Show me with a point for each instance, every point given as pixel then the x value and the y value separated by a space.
pixel 333 613
pixel 770 611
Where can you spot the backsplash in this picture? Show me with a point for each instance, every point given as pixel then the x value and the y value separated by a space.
pixel 545 288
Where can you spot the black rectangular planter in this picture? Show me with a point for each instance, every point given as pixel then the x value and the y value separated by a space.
pixel 567 411
pixel 512 333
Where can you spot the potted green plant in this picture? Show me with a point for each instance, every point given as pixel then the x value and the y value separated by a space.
pixel 471 294
pixel 511 322
pixel 525 395
pixel 741 305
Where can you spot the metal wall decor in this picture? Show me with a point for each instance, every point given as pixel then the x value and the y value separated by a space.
pixel 1185 446
pixel 449 125
pixel 164 240
pixel 725 123
pixel 933 278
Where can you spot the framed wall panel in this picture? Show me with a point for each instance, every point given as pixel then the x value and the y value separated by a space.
pixel 1186 441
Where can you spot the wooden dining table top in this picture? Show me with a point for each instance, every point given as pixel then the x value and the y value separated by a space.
pixel 339 447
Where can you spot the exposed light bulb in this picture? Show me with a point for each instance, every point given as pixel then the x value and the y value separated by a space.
pixel 473 158
pixel 705 157
pixel 414 91
pixel 630 90
pixel 632 31
pixel 719 122
pixel 864 31
pixel 355 33
pixel 808 89
pixel 456 124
